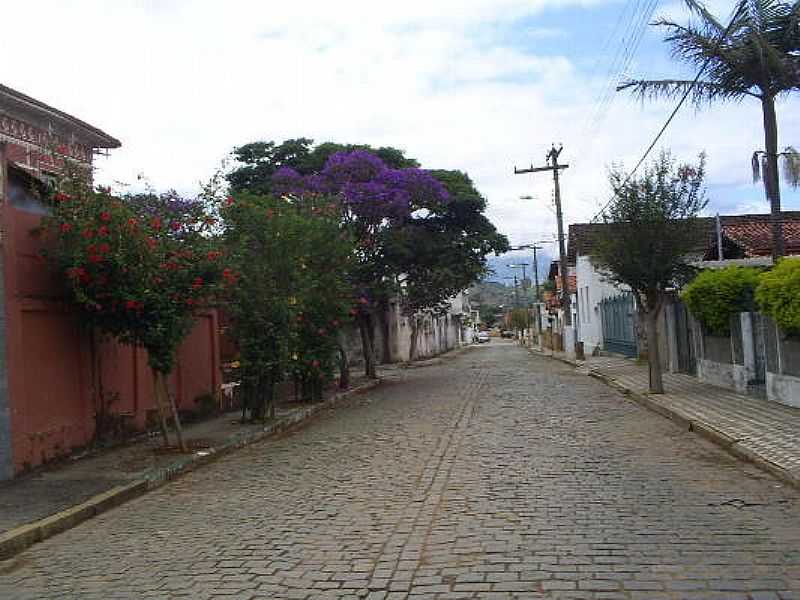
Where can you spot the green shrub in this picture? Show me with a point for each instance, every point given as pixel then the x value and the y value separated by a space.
pixel 778 294
pixel 715 295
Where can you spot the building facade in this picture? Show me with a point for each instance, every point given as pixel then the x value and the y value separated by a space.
pixel 61 386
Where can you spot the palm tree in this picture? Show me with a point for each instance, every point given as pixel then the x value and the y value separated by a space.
pixel 758 56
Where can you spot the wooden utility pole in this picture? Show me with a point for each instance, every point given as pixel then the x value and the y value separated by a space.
pixel 536 272
pixel 552 165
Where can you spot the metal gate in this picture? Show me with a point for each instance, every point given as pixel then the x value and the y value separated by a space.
pixel 619 327
pixel 687 361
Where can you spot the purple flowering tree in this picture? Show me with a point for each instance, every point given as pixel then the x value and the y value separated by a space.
pixel 375 201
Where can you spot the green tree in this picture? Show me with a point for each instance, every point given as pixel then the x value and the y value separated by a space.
pixel 651 228
pixel 757 59
pixel 442 250
pixel 291 295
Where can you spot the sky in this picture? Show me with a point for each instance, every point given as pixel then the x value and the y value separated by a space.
pixel 476 85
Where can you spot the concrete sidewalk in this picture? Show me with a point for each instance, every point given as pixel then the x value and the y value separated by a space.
pixel 764 432
pixel 60 496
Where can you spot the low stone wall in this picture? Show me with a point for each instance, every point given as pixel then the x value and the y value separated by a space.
pixel 784 389
pixel 732 377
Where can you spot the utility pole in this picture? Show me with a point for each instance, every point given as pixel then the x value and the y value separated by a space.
pixel 552 165
pixel 533 247
pixel 516 295
pixel 522 266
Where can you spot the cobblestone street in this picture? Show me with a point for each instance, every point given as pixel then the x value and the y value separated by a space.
pixel 496 474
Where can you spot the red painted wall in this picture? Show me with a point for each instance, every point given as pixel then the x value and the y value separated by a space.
pixel 59 376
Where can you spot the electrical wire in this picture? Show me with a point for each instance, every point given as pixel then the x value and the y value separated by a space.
pixel 674 112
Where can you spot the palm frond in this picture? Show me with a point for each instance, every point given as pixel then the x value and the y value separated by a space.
pixel 710 20
pixel 791 166
pixel 700 92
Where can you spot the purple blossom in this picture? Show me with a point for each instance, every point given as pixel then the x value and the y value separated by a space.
pixel 350 167
pixel 375 200
pixel 366 186
pixel 423 189
pixel 288 181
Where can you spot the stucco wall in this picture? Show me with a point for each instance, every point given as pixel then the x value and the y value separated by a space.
pixel 592 289
pixel 60 376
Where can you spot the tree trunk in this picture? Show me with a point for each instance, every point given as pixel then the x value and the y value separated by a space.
pixel 653 357
pixel 364 326
pixel 412 350
pixel 383 323
pixel 267 389
pixel 162 416
pixel 771 177
pixel 344 365
pixel 176 420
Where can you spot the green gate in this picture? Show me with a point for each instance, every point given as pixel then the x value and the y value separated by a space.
pixel 619 326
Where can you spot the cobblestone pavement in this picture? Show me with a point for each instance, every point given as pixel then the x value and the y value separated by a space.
pixel 493 475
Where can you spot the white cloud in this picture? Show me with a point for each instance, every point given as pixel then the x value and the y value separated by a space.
pixel 181 83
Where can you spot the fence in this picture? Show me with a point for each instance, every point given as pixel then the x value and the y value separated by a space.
pixel 756 358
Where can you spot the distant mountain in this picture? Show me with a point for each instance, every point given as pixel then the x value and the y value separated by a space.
pixel 500 268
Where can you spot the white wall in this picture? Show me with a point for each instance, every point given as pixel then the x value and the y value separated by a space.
pixel 592 288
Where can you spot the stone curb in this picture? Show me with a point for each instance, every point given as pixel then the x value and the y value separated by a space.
pixel 706 430
pixel 16 540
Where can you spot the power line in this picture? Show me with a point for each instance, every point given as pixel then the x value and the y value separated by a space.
pixel 674 112
pixel 627 49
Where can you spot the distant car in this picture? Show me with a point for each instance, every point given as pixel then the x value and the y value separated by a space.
pixel 506 333
pixel 483 337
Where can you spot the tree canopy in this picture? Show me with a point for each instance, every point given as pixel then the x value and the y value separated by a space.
pixel 651 230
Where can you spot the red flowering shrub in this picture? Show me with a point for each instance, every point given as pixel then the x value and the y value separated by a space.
pixel 131 278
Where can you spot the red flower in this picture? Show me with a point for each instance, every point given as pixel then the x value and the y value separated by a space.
pixel 190 301
pixel 104 248
pixel 87 233
pixel 62 197
pixel 197 283
pixel 151 243
pixel 95 258
pixel 228 200
pixel 132 222
pixel 105 216
pixel 91 249
pixel 75 272
pixel 65 227
pixel 133 305
pixel 156 223
pixel 214 255
pixel 102 231
pixel 62 149
pixel 175 226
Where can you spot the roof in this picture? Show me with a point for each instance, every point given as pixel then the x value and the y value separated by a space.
pixel 94 136
pixel 744 236
pixel 753 233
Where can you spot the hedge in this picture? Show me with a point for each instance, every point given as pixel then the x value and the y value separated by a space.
pixel 778 294
pixel 715 295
